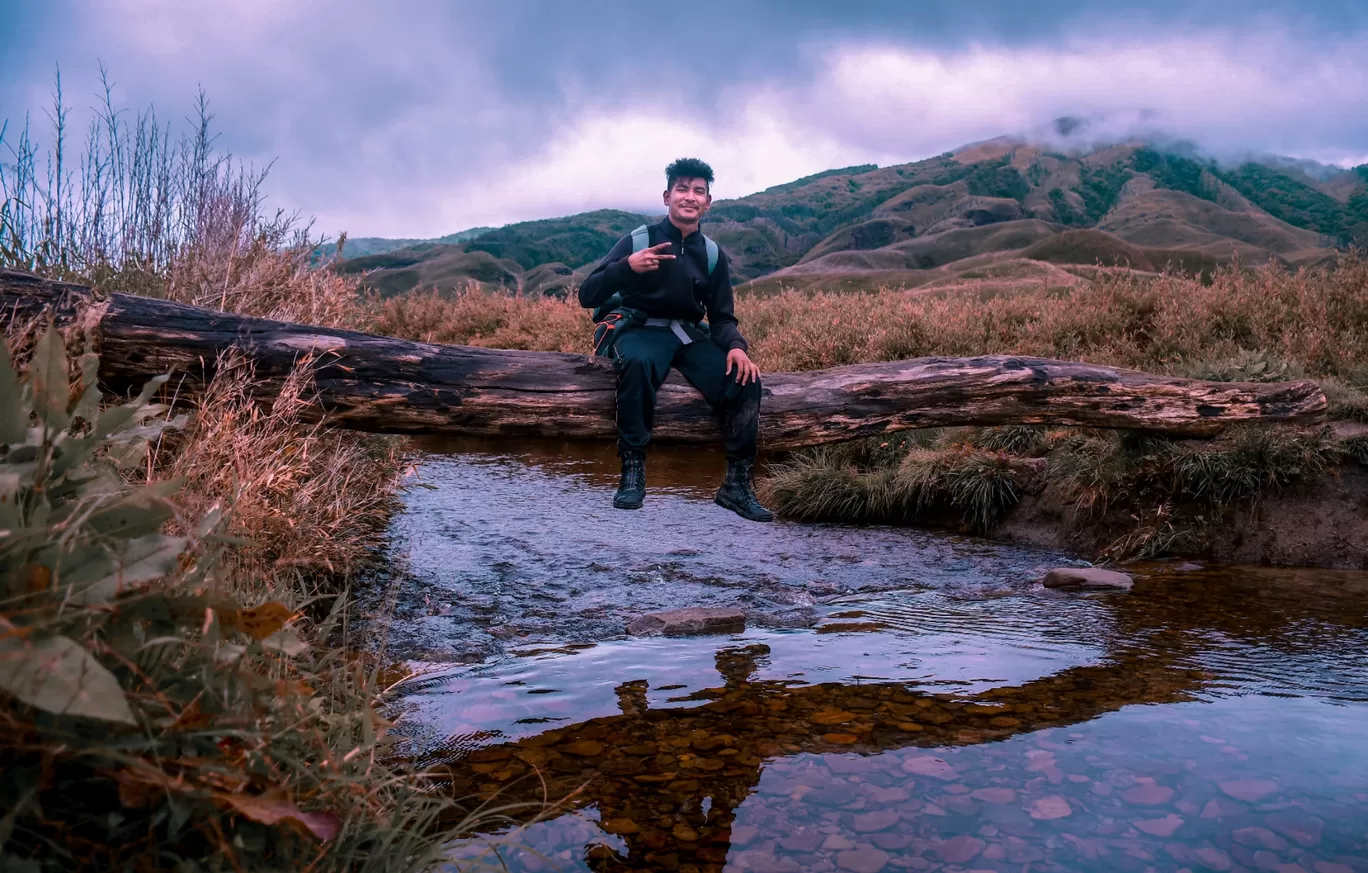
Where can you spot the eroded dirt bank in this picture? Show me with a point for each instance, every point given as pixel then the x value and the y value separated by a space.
pixel 1322 523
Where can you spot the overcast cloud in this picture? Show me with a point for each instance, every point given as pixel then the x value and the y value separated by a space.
pixel 427 118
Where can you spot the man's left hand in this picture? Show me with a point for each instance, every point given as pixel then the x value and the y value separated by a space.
pixel 746 371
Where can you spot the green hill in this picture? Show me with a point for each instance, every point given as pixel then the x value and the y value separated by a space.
pixel 915 225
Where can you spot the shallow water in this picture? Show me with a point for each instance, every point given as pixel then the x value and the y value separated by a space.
pixel 900 699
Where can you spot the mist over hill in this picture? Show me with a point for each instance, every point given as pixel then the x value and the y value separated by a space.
pixel 1002 211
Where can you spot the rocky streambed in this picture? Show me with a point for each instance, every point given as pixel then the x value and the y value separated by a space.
pixel 896 700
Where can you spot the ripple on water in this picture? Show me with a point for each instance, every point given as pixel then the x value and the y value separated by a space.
pixel 942 711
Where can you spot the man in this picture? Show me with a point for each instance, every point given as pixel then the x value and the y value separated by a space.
pixel 667 288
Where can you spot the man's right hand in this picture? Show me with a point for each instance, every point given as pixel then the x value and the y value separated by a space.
pixel 648 260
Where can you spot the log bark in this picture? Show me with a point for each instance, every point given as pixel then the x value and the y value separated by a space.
pixel 386 385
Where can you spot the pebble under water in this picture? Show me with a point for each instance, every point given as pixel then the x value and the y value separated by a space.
pixel 901 700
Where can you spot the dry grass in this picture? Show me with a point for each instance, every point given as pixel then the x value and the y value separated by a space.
pixel 1314 320
pixel 1259 325
pixel 477 317
pixel 310 503
pixel 304 508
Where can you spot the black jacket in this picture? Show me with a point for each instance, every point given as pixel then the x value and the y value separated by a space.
pixel 679 289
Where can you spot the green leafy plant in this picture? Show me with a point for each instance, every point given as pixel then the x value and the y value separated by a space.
pixel 149 721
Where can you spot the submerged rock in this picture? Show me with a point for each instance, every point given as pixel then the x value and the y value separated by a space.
pixel 1087 579
pixel 694 620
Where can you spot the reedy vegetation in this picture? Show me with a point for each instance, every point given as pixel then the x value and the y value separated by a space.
pixel 1263 324
pixel 218 720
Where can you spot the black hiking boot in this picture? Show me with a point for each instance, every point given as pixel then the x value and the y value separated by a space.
pixel 632 489
pixel 737 494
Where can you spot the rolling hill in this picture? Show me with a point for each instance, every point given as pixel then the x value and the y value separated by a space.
pixel 997 212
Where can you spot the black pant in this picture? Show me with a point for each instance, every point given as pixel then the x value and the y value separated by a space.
pixel 644 355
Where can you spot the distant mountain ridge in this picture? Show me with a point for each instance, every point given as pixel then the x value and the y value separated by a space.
pixel 999 211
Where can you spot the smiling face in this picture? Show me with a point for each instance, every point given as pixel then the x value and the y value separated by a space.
pixel 687 200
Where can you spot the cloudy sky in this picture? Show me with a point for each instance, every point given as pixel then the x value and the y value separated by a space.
pixel 417 118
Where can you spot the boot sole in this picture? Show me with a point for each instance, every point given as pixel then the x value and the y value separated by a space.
pixel 727 504
pixel 622 504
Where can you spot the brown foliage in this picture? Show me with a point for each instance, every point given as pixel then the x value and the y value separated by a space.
pixel 1316 318
pixel 310 503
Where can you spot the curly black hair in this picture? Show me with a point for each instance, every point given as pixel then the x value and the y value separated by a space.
pixel 687 168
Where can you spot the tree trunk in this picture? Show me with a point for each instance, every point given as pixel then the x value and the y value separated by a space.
pixel 385 385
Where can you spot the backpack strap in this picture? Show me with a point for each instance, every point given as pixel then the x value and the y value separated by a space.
pixel 712 253
pixel 641 239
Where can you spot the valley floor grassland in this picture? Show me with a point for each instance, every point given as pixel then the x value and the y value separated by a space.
pixel 1110 495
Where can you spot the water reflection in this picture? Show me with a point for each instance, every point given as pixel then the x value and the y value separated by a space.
pixel 951 716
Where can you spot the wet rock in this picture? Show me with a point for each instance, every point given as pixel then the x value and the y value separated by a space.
pixel 1050 807
pixel 862 859
pixel 1086 579
pixel 896 794
pixel 869 822
pixel 833 794
pixel 1213 859
pixel 620 826
pixel 802 841
pixel 1161 827
pixel 757 861
pixel 1332 867
pixel 836 843
pixel 994 795
pixel 891 842
pixel 1220 807
pixel 1148 794
pixel 1259 838
pixel 693 620
pixel 1249 790
pixel 583 749
pixel 959 849
pixel 831 717
pixel 742 835
pixel 1296 825
pixel 926 765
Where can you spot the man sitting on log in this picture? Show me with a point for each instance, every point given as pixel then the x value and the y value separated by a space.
pixel 650 296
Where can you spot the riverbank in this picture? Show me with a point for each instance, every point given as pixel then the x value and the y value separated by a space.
pixel 899 699
pixel 1271 495
pixel 183 687
pixel 1252 496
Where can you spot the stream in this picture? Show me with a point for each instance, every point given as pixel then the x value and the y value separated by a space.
pixel 899 700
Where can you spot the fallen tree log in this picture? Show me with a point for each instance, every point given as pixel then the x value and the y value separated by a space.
pixel 385 385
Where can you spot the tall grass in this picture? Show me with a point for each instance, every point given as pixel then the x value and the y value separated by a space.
pixel 274 758
pixel 1312 321
pixel 1238 324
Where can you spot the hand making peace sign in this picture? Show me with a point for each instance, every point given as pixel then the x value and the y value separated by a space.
pixel 649 259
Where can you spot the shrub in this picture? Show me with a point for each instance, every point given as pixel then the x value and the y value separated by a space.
pixel 151 721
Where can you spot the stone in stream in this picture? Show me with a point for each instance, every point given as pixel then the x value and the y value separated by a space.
pixel 1297 825
pixel 1249 790
pixel 693 620
pixel 1148 794
pixel 1050 807
pixel 862 859
pixel 1161 827
pixel 1087 579
pixel 958 850
pixel 879 820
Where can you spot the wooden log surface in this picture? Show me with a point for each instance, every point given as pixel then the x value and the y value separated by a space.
pixel 386 385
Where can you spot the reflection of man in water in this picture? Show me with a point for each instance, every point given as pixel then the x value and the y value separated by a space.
pixel 662 281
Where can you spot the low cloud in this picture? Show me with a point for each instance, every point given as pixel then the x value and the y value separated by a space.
pixel 885 105
pixel 413 125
